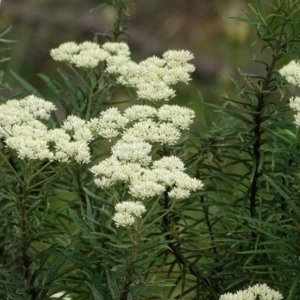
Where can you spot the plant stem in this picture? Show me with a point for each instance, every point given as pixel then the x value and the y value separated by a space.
pixel 177 252
pixel 25 239
pixel 257 121
pixel 208 225
pixel 130 266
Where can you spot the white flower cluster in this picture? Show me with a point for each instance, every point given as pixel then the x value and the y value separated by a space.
pixel 109 123
pixel 166 174
pixel 18 112
pixel 140 126
pixel 139 129
pixel 22 130
pixel 127 212
pixel 152 78
pixel 150 181
pixel 130 162
pixel 84 55
pixel 295 105
pixel 144 122
pixel 258 291
pixel 291 73
pixel 30 141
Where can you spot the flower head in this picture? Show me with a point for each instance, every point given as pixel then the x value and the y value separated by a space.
pixel 140 112
pixel 137 151
pixel 291 72
pixel 127 212
pixel 181 117
pixel 65 149
pixel 154 132
pixel 258 291
pixel 30 141
pixel 65 51
pixel 152 78
pixel 18 112
pixel 109 124
pixel 85 55
pixel 78 128
pixel 110 171
pixel 117 49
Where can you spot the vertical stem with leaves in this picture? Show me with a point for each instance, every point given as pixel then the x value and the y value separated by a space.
pixel 262 94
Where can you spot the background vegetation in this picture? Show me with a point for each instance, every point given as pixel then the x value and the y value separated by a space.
pixel 243 228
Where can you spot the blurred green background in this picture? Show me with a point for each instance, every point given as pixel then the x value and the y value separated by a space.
pixel 221 44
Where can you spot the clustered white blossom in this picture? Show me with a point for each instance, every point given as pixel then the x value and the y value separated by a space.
pixel 139 128
pixel 84 55
pixel 22 129
pixel 291 73
pixel 130 159
pixel 109 123
pixel 127 212
pixel 258 291
pixel 30 141
pixel 295 105
pixel 136 131
pixel 17 112
pixel 152 78
pixel 144 122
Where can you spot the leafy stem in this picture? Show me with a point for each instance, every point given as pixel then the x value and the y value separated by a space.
pixel 176 251
pixel 130 268
pixel 262 96
pixel 25 233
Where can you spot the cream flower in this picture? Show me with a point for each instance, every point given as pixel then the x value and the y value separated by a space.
pixel 140 112
pixel 118 49
pixel 17 112
pixel 65 51
pixel 179 116
pixel 65 150
pixel 85 55
pixel 171 163
pixel 154 91
pixel 295 103
pixel 291 72
pixel 111 170
pixel 30 141
pixel 78 128
pixel 152 78
pixel 109 124
pixel 178 56
pixel 37 107
pixel 132 152
pixel 153 132
pixel 146 185
pixel 89 56
pixel 258 291
pixel 127 212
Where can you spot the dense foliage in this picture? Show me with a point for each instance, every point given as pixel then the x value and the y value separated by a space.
pixel 115 195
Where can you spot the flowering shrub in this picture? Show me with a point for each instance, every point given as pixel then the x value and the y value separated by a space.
pixel 109 196
pixel 139 136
